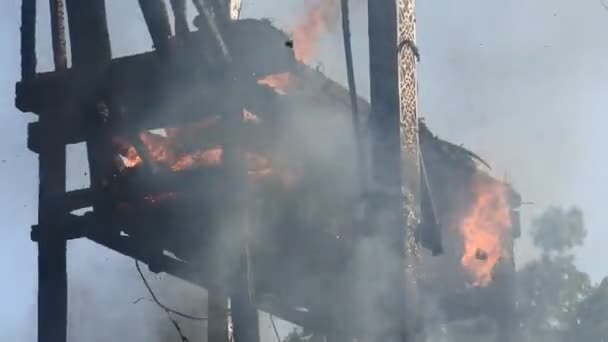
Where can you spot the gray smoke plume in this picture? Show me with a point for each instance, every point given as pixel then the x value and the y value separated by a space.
pixel 517 82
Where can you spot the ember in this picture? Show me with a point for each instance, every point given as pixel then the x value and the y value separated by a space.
pixel 279 82
pixel 483 229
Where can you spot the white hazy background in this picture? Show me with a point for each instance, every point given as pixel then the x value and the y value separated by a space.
pixel 520 82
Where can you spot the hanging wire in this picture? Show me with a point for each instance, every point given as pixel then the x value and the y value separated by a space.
pixel 161 305
pixel 167 310
pixel 274 327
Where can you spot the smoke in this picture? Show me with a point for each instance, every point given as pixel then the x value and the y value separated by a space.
pixel 509 80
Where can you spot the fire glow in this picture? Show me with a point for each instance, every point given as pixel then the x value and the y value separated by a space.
pixel 278 82
pixel 168 150
pixel 307 33
pixel 483 229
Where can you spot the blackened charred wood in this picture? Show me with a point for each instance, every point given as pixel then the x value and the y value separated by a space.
pixel 385 174
pixel 257 136
pixel 58 33
pixel 70 227
pixel 140 80
pixel 244 314
pixel 217 311
pixel 133 187
pixel 157 20
pixel 79 199
pixel 181 19
pixel 52 290
pixel 89 37
pixel 28 40
pixel 52 269
pixel 208 20
pixel 91 52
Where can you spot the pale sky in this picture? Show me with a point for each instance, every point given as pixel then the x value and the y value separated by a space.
pixel 520 82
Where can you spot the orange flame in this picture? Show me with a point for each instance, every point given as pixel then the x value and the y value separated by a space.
pixel 172 151
pixel 307 33
pixel 483 229
pixel 278 82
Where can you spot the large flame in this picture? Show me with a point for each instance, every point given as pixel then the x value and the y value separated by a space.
pixel 307 32
pixel 306 35
pixel 483 229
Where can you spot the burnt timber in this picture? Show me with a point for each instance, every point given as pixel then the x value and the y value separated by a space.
pixel 181 83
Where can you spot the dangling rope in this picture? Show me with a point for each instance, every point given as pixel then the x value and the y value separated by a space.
pixel 352 88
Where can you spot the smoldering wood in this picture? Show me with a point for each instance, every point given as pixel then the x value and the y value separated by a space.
pixel 302 260
pixel 144 82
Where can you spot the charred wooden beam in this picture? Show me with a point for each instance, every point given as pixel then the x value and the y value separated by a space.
pixel 385 177
pixel 208 20
pixel 89 37
pixel 157 20
pixel 217 311
pixel 180 15
pixel 140 80
pixel 28 39
pixel 52 269
pixel 91 52
pixel 79 199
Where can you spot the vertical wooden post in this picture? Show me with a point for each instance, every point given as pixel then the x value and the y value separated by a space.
pixel 181 20
pixel 52 268
pixel 217 313
pixel 157 20
pixel 89 37
pixel 395 167
pixel 28 39
pixel 388 298
pixel 91 49
pixel 243 311
pixel 52 263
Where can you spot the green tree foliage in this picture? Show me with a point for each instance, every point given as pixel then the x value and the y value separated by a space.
pixel 556 301
pixel 549 290
pixel 590 320
pixel 558 230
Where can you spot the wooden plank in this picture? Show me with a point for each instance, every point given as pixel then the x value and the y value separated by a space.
pixel 52 269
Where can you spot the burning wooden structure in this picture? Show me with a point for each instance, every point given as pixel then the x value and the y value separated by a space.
pixel 202 166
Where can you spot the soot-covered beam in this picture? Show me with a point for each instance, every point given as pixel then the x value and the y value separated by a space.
pixel 28 39
pixel 388 288
pixel 52 269
pixel 157 20
pixel 89 37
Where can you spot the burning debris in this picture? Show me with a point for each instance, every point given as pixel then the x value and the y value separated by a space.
pixel 279 82
pixel 166 132
pixel 484 228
